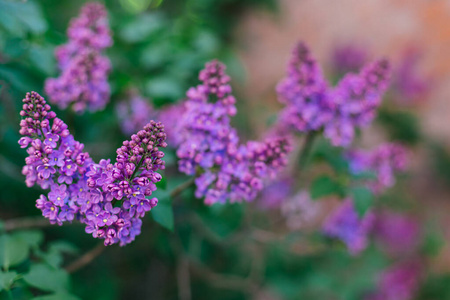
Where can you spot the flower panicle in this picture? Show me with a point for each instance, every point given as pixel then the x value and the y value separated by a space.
pixel 55 160
pixel 84 70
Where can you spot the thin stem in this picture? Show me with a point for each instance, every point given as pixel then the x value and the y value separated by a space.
pixel 28 222
pixel 306 150
pixel 86 258
pixel 179 189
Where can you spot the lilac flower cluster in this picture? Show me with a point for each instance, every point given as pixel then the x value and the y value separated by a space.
pixel 109 198
pixel 83 80
pixel 55 160
pixel 119 193
pixel 348 58
pixel 170 116
pixel 399 282
pixel 311 105
pixel 210 147
pixel 300 210
pixel 397 233
pixel 345 224
pixel 275 192
pixel 410 86
pixel 383 161
pixel 134 113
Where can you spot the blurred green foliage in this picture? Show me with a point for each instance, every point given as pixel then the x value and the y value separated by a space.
pixel 159 47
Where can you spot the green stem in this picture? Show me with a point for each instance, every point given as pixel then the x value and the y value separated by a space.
pixel 306 150
pixel 137 167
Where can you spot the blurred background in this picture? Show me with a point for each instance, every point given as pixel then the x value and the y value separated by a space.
pixel 249 250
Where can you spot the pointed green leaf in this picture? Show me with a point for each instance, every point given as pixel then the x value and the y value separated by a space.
pixel 45 278
pixel 362 199
pixel 13 250
pixel 324 186
pixel 7 279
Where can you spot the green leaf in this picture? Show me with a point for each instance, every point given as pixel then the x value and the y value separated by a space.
pixel 163 212
pixel 47 279
pixel 324 186
pixel 164 87
pixel 7 279
pixel 162 184
pixel 13 250
pixel 42 57
pixel 142 27
pixel 20 16
pixel 57 296
pixel 54 257
pixel 362 199
pixel 33 238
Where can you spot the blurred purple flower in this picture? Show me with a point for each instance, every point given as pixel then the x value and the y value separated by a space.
pixel 345 224
pixel 311 105
pixel 398 282
pixel 398 234
pixel 383 161
pixel 84 71
pixel 348 58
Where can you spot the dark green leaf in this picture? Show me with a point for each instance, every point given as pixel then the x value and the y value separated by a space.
pixel 163 212
pixel 33 238
pixel 57 296
pixel 7 279
pixel 13 250
pixel 47 279
pixel 362 199
pixel 324 186
pixel 142 27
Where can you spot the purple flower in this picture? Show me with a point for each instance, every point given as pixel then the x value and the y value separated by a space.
pixel 50 211
pixel 383 161
pixel 210 148
pixel 348 58
pixel 134 113
pixel 83 80
pixel 56 158
pixel 300 210
pixel 398 282
pixel 67 213
pixel 51 140
pixel 345 224
pixel 311 105
pixel 409 85
pixel 45 171
pixel 397 233
pixel 58 194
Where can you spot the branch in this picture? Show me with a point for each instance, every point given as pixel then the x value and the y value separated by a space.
pixel 86 258
pixel 179 189
pixel 28 222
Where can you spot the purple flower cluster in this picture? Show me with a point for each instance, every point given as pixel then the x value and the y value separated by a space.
pixel 109 198
pixel 399 282
pixel 275 192
pixel 397 233
pixel 170 116
pixel 311 105
pixel 410 86
pixel 304 91
pixel 84 70
pixel 348 58
pixel 300 210
pixel 134 113
pixel 210 147
pixel 383 161
pixel 345 224
pixel 119 193
pixel 55 160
